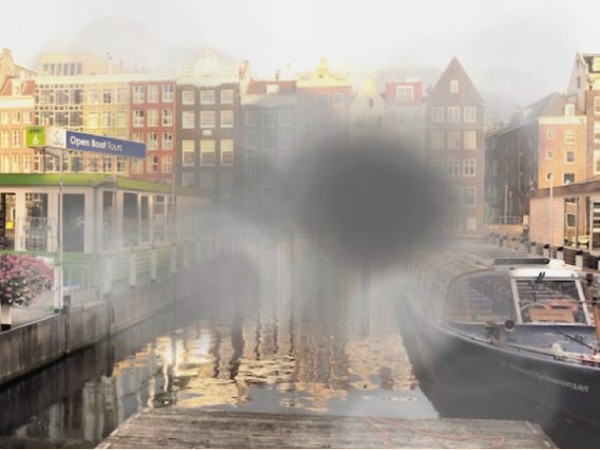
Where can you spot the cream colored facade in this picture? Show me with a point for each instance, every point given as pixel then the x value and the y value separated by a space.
pixel 368 109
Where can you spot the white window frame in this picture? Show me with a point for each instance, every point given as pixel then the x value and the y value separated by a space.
pixel 570 137
pixel 188 148
pixel 138 95
pixel 453 114
pixel 226 96
pixel 226 118
pixel 437 114
pixel 208 119
pixel 208 97
pixel 208 152
pixel 188 120
pixel 470 114
pixel 188 97
pixel 153 93
pixel 454 86
pixel 469 167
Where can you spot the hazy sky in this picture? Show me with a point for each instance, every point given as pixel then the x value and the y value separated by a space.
pixel 521 50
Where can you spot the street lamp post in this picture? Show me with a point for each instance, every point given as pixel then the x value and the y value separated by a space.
pixel 551 211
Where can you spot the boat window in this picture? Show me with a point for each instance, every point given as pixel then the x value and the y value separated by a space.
pixel 479 298
pixel 544 300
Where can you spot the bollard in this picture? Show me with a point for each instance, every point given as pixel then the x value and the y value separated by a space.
pixel 546 251
pixel 533 248
pixel 579 259
pixel 107 270
pixel 560 253
pixel 66 304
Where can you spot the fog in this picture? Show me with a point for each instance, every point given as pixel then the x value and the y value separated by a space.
pixel 515 51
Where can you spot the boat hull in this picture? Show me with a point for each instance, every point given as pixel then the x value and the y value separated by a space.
pixel 476 368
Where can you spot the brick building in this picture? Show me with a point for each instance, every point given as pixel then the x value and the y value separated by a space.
pixel 454 144
pixel 406 111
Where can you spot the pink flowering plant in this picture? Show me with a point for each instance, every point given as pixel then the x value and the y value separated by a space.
pixel 23 278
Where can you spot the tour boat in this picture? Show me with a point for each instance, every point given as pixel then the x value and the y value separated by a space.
pixel 509 323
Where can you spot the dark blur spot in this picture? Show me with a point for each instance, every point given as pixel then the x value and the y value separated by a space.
pixel 369 198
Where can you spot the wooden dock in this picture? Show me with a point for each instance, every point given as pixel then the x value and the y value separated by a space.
pixel 188 428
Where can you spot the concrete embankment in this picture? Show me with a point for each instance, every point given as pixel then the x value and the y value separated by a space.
pixel 33 345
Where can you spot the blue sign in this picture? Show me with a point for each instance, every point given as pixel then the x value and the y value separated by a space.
pixel 105 145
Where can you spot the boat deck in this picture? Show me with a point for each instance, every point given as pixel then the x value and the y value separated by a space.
pixel 188 428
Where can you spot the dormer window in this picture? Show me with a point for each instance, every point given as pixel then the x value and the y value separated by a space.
pixel 569 109
pixel 454 86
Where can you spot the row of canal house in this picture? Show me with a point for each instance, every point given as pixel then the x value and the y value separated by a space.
pixel 542 169
pixel 213 126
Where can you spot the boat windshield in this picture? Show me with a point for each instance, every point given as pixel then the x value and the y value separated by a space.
pixel 550 300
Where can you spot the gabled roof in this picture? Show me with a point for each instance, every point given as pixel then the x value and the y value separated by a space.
pixel 455 71
pixel 27 87
pixel 592 60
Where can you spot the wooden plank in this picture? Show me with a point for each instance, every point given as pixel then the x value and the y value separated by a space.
pixel 188 428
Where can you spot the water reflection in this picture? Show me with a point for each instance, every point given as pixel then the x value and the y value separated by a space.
pixel 283 332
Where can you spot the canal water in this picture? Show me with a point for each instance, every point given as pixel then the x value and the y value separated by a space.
pixel 286 332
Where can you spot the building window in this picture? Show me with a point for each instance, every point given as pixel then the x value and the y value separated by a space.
pixel 153 117
pixel 93 96
pixel 27 117
pixel 549 154
pixel 188 119
pixel 153 94
pixel 166 164
pixel 138 94
pixel 167 141
pixel 227 152
pixel 569 137
pixel 470 140
pixel 167 117
pixel 207 152
pixel 138 118
pixel 437 114
pixel 152 164
pixel 268 119
pixel 207 97
pixel 470 113
pixel 227 118
pixel 597 105
pixel 452 196
pixel 251 118
pixel 405 93
pixel 106 96
pixel 152 140
pixel 453 140
pixel 596 162
pixel 188 153
pixel 121 164
pixel 597 131
pixel 469 196
pixel 137 165
pixel 121 119
pixel 137 137
pixel 322 101
pixel 167 93
pixel 106 119
pixel 437 139
pixel 339 99
pixel 550 134
pixel 454 86
pixel 188 97
pixel 207 118
pixel 453 114
pixel 92 120
pixel 16 162
pixel 569 156
pixel 251 140
pixel 285 118
pixel 569 109
pixel 227 97
pixel 121 95
pixel 453 167
pixel 4 139
pixel 16 117
pixel 568 178
pixel 469 167
pixel 285 139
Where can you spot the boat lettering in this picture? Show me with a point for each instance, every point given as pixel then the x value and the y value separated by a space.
pixel 544 377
